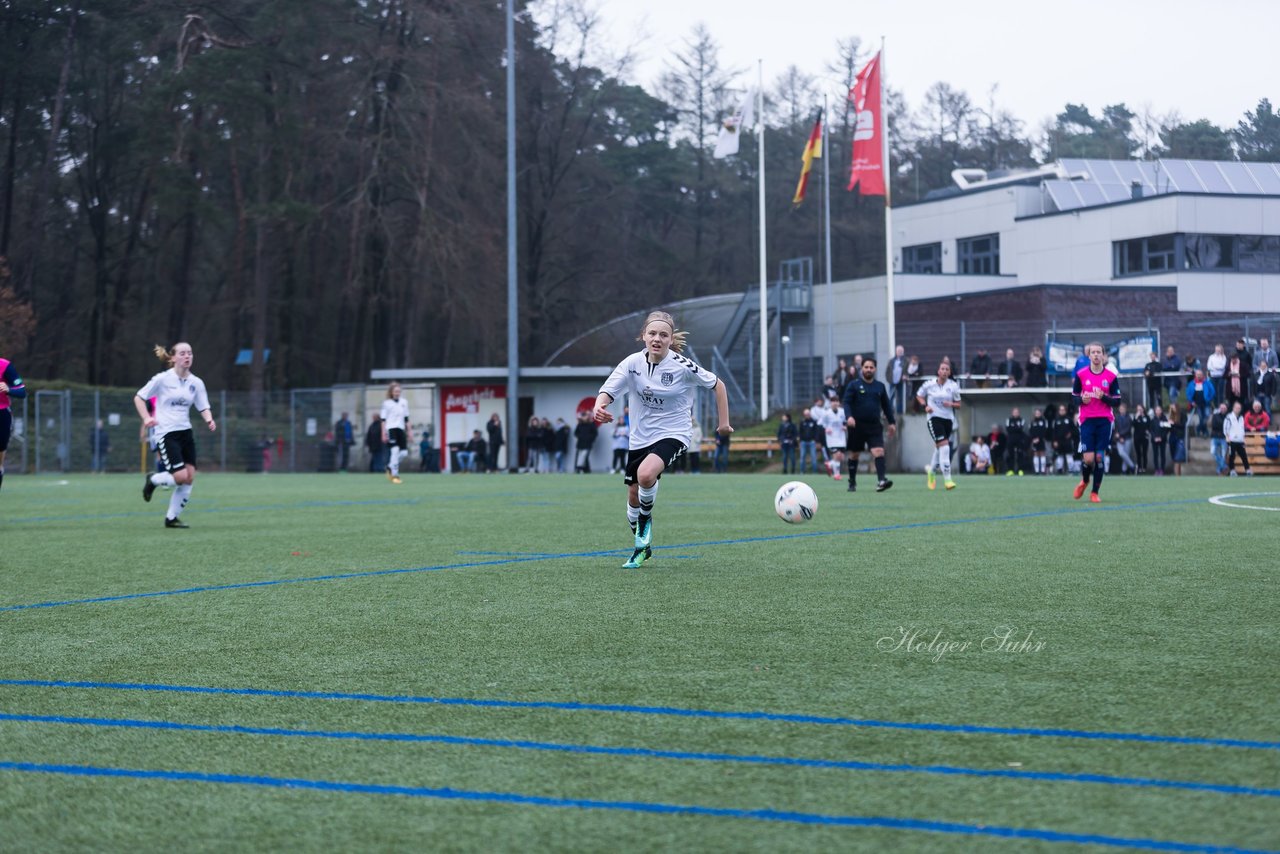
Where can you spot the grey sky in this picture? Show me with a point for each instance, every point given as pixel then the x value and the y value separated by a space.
pixel 1200 59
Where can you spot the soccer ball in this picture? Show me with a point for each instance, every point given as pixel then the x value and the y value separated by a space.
pixel 796 502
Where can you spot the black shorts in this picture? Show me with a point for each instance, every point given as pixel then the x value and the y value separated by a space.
pixel 861 438
pixel 397 438
pixel 940 429
pixel 669 450
pixel 177 450
pixel 6 428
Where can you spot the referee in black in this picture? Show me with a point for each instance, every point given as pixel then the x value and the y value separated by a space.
pixel 865 398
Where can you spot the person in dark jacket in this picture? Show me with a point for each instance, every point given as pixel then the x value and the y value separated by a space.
pixel 585 434
pixel 865 400
pixel 1037 369
pixel 1011 369
pixel 980 368
pixel 808 431
pixel 494 429
pixel 788 438
pixel 1141 437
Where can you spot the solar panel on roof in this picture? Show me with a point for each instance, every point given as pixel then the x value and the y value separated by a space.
pixel 1267 176
pixel 1210 176
pixel 1240 178
pixel 1064 195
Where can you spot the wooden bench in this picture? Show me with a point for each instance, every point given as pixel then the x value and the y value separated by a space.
pixel 1253 445
pixel 754 443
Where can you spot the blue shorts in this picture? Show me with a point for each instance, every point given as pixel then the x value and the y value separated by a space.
pixel 1095 435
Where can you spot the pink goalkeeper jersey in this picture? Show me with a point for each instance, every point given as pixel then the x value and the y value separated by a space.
pixel 1104 382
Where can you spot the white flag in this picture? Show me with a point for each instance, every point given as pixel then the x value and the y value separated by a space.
pixel 733 126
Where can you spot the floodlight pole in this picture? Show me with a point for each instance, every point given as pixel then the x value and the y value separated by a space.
pixel 513 297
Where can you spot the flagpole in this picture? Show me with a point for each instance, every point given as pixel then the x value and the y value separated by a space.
pixel 888 216
pixel 764 297
pixel 826 204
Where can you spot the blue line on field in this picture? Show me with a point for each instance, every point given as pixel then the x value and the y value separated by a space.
pixel 668 711
pixel 647 753
pixel 887 822
pixel 213 509
pixel 877 529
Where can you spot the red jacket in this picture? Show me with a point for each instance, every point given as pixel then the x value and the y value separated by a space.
pixel 1256 422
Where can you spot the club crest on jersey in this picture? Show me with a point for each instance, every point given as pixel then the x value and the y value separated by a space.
pixel 668 378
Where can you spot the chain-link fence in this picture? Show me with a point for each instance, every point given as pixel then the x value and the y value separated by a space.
pixel 58 431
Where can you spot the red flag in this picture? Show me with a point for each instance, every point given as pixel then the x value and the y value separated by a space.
pixel 866 172
pixel 811 150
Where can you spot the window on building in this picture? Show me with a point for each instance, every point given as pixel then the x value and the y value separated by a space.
pixel 1258 254
pixel 1219 253
pixel 978 256
pixel 925 258
pixel 1145 255
pixel 1209 252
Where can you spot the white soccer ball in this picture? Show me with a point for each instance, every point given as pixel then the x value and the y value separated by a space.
pixel 795 502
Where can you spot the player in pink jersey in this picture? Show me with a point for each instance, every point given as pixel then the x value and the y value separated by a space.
pixel 11 386
pixel 1096 391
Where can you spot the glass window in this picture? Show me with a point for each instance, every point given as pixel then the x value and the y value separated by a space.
pixel 978 256
pixel 925 258
pixel 1258 254
pixel 1209 252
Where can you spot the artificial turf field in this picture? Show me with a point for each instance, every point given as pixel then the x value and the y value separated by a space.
pixel 459 663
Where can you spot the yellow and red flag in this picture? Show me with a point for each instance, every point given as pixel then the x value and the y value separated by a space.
pixel 812 150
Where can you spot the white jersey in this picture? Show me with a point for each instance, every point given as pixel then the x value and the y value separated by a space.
pixel 936 396
pixel 174 398
pixel 662 396
pixel 834 422
pixel 395 413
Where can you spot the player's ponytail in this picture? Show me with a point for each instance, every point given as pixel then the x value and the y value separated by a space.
pixel 163 354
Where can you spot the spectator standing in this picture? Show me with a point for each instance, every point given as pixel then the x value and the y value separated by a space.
pixel 1246 361
pixel 1172 367
pixel 1177 439
pixel 980 368
pixel 1264 385
pixel 808 431
pixel 373 442
pixel 898 379
pixel 1015 431
pixel 1256 420
pixel 1124 439
pixel 722 453
pixel 532 444
pixel 1236 382
pixel 560 445
pixel 1039 433
pixel 1214 367
pixel 428 461
pixel 1233 429
pixel 1141 437
pixel 619 462
pixel 585 435
pixel 1151 376
pixel 1160 428
pixel 99 446
pixel 1011 369
pixel 997 443
pixel 1264 355
pixel 914 377
pixel 1037 371
pixel 829 391
pixel 1217 437
pixel 494 429
pixel 1063 441
pixel 788 439
pixel 344 436
pixel 1200 400
pixel 695 446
